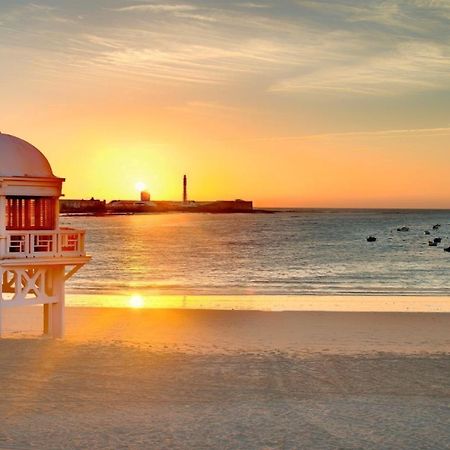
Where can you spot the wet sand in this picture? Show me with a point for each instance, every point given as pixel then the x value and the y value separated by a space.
pixel 205 331
pixel 192 379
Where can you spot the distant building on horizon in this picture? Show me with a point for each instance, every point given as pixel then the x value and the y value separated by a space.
pixel 145 196
pixel 146 205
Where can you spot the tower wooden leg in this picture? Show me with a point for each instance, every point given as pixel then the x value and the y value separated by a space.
pixel 47 319
pixel 57 309
pixel 58 319
pixel 2 276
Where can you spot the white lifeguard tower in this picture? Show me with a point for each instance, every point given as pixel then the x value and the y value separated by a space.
pixel 37 256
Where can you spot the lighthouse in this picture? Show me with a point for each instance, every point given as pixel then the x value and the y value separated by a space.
pixel 185 196
pixel 37 255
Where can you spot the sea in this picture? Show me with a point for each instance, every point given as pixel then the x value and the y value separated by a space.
pixel 287 252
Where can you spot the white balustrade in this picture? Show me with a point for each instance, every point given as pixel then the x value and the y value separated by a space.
pixel 34 244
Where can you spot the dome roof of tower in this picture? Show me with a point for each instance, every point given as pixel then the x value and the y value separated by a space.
pixel 18 158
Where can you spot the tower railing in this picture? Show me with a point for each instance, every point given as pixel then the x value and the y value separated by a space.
pixel 43 243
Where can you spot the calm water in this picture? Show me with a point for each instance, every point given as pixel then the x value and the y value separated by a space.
pixel 299 252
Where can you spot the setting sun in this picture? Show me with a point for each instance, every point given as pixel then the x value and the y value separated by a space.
pixel 136 301
pixel 140 186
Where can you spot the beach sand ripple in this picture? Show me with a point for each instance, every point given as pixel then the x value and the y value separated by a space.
pixel 96 395
pixel 186 379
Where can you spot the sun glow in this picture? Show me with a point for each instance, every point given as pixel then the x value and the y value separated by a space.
pixel 136 301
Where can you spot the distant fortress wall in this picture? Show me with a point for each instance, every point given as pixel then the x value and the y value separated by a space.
pixel 132 206
pixel 82 206
pixel 225 206
pixel 120 206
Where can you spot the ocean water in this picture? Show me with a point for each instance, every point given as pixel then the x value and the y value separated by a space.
pixel 297 252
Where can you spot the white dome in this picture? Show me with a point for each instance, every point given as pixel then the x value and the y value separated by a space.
pixel 20 159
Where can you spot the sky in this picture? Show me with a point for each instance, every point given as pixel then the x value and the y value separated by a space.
pixel 289 103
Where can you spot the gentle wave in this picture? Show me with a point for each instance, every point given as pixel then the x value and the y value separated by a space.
pixel 297 253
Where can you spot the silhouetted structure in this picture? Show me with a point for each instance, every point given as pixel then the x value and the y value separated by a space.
pixel 146 205
pixel 82 206
pixel 185 197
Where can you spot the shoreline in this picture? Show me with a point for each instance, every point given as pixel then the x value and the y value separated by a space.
pixel 141 213
pixel 275 303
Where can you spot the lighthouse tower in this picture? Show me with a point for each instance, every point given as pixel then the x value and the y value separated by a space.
pixel 185 196
pixel 37 256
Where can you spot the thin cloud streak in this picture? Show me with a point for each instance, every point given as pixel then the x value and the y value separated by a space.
pixel 443 131
pixel 409 67
pixel 156 8
pixel 254 5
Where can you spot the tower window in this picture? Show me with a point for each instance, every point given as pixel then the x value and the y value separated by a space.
pixel 30 213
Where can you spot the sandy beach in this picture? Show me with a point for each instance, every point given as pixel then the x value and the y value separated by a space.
pixel 192 379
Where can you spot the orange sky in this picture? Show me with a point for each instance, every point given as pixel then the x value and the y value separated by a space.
pixel 282 103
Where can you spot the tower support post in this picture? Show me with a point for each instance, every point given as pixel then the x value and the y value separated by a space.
pixel 47 325
pixel 54 312
pixel 57 309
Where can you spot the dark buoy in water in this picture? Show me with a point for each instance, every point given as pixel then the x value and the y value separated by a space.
pixel 437 226
pixel 447 249
pixel 403 229
pixel 371 239
pixel 438 240
pixel 432 243
pixel 427 233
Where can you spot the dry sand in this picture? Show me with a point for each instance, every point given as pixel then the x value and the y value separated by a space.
pixel 186 379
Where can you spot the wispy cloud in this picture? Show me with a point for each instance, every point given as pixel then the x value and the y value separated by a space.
pixel 414 132
pixel 410 66
pixel 346 47
pixel 162 7
pixel 200 17
pixel 33 11
pixel 254 5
